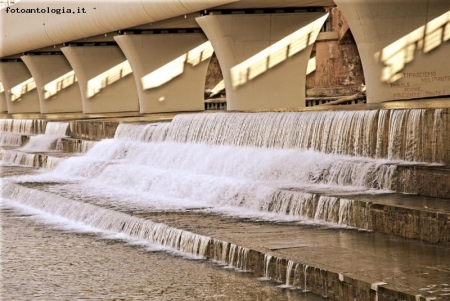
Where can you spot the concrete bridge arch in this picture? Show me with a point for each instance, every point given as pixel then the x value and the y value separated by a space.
pixel 403 46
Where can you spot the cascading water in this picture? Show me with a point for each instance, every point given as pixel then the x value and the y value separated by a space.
pixel 47 141
pixel 14 131
pixel 25 155
pixel 267 258
pixel 170 175
pixel 10 139
pixel 292 166
pixel 51 162
pixel 109 220
pixel 143 132
pixel 393 134
pixel 22 126
pixel 229 255
pixel 11 157
pixel 144 161
pixel 289 269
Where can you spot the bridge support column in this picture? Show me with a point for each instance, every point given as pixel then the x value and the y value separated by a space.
pixel 104 77
pixel 263 57
pixel 404 46
pixel 169 69
pixel 20 89
pixel 55 82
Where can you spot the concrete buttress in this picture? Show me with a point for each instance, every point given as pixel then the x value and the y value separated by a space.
pixel 263 56
pixel 169 69
pixel 20 89
pixel 55 82
pixel 104 77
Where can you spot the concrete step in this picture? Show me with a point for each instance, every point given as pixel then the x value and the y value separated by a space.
pixel 410 216
pixel 341 264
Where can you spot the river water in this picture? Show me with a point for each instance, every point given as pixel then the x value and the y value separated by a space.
pixel 41 261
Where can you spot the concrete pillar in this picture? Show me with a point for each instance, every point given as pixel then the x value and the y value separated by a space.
pixel 404 46
pixel 20 89
pixel 55 82
pixel 104 77
pixel 169 69
pixel 263 56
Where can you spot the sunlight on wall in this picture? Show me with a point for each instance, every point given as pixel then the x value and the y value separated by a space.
pixel 276 53
pixel 427 37
pixel 164 74
pixel 175 67
pixel 22 88
pixel 110 76
pixel 60 83
pixel 1 88
pixel 311 66
pixel 217 88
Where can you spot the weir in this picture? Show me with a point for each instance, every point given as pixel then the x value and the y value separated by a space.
pixel 259 192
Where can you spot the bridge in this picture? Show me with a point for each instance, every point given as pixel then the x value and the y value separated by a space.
pixel 152 56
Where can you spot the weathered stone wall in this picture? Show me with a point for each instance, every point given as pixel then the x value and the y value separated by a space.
pixel 214 73
pixel 423 180
pixel 338 65
pixel 433 227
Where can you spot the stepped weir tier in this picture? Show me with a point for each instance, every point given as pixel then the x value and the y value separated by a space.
pixel 310 205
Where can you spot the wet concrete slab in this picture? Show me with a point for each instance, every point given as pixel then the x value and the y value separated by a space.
pixel 360 258
pixel 408 201
pixel 405 265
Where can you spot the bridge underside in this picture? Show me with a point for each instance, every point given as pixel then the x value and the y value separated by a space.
pixel 152 57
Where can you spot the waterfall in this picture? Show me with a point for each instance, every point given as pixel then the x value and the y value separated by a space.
pixel 281 166
pixel 395 134
pixel 177 175
pixel 11 139
pixel 305 130
pixel 86 146
pixel 51 162
pixel 48 141
pixel 12 157
pixel 109 220
pixel 143 161
pixel 289 269
pixel 438 129
pixel 22 126
pixel 237 257
pixel 305 273
pixel 57 128
pixel 142 132
pixel 267 258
